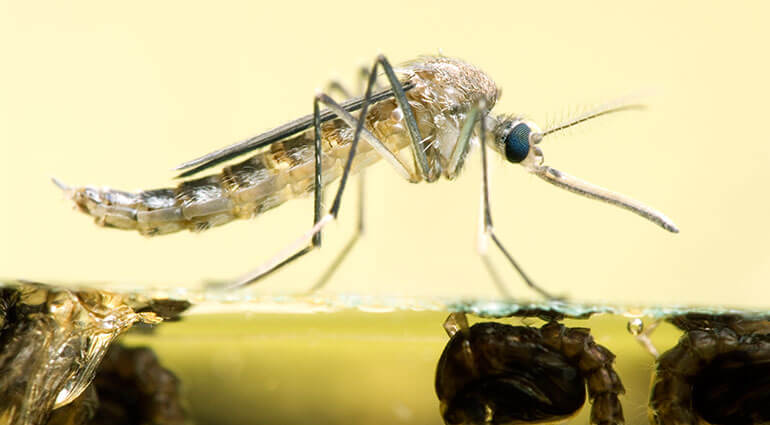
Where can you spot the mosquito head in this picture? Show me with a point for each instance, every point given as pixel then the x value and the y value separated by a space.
pixel 516 139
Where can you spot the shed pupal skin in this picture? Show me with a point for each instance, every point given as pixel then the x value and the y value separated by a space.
pixel 717 373
pixel 493 373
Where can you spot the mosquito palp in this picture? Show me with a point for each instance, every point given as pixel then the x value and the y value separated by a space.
pixel 432 110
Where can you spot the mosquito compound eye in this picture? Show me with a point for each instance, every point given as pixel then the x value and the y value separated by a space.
pixel 517 143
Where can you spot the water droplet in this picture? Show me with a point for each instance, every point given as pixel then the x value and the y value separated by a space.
pixel 635 326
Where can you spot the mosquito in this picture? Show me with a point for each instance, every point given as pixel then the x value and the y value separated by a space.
pixel 423 125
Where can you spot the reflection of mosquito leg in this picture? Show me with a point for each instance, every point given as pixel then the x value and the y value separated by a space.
pixel 487 214
pixel 312 238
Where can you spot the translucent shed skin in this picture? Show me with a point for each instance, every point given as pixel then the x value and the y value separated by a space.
pixel 444 91
pixel 494 373
pixel 716 374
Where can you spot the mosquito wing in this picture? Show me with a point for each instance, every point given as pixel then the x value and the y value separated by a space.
pixel 265 139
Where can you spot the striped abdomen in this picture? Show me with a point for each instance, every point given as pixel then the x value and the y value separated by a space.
pixel 282 172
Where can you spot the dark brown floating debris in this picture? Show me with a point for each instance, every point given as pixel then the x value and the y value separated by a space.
pixel 51 342
pixel 130 388
pixel 492 373
pixel 718 373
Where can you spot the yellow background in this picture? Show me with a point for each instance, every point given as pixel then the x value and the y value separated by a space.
pixel 117 93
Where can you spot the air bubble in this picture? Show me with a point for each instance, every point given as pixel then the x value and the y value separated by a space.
pixel 635 326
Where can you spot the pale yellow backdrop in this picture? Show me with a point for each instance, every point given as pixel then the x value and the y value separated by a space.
pixel 116 93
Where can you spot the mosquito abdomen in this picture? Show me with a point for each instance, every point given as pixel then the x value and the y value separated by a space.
pixel 243 190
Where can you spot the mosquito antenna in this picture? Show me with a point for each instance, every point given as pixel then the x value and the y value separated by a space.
pixel 607 108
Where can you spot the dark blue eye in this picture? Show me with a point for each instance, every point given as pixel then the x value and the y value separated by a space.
pixel 517 143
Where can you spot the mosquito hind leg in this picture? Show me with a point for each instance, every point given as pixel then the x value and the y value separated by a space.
pixel 364 76
pixel 312 239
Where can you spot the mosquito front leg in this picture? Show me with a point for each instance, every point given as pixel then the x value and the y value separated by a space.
pixel 456 163
pixel 487 217
pixel 460 152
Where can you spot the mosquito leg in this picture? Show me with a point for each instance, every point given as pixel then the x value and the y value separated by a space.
pixel 315 238
pixel 363 76
pixel 487 217
pixel 499 283
pixel 312 238
pixel 324 279
pixel 456 162
pixel 336 86
pixel 421 159
pixel 318 187
pixel 460 152
pixel 483 250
